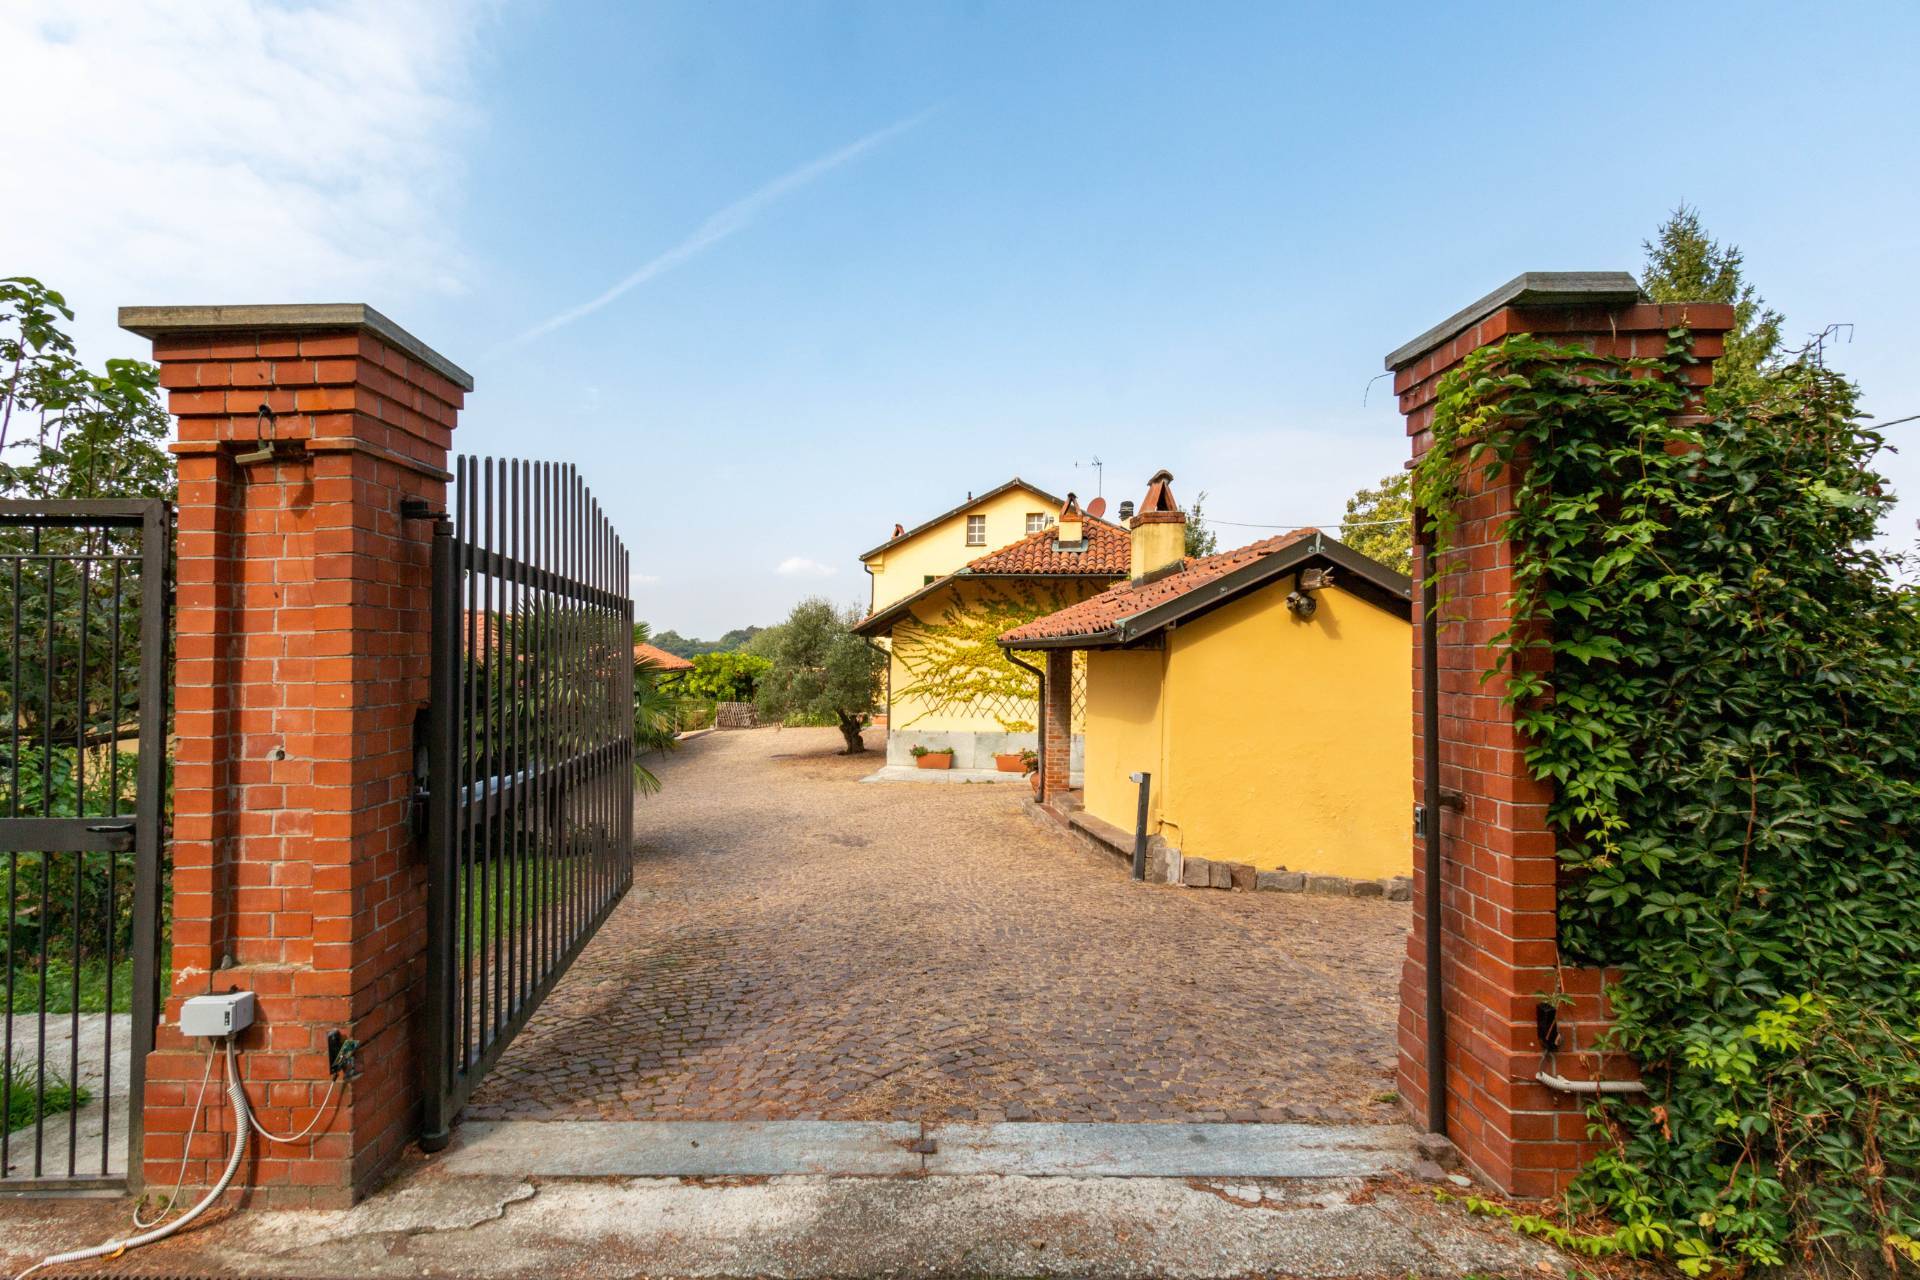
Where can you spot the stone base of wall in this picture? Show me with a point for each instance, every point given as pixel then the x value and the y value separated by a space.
pixel 1166 864
pixel 1210 873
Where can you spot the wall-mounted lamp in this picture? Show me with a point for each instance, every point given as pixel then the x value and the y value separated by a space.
pixel 1300 600
pixel 265 453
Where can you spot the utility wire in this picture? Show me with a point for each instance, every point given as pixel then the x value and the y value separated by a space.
pixel 1317 524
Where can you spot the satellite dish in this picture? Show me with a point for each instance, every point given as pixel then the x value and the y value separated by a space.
pixel 1097 508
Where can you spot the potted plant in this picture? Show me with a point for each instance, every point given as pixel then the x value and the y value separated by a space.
pixel 1010 761
pixel 1030 761
pixel 933 757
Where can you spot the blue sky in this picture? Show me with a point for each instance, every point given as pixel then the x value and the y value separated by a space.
pixel 890 253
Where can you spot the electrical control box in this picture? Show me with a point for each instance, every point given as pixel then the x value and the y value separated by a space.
pixel 223 1015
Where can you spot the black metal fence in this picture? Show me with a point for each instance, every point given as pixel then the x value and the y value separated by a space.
pixel 530 757
pixel 84 603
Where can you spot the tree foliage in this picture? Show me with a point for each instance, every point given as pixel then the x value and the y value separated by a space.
pixel 1379 522
pixel 1201 539
pixel 682 647
pixel 823 671
pixel 66 431
pixel 1685 264
pixel 1715 671
pixel 725 677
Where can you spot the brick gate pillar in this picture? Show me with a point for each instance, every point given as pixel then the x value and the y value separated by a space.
pixel 1056 722
pixel 301 660
pixel 1500 952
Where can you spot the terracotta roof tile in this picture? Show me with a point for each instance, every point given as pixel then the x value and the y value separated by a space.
pixel 1102 613
pixel 659 658
pixel 1103 551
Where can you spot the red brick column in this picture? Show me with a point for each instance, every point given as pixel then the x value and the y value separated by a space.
pixel 1500 938
pixel 1056 723
pixel 301 660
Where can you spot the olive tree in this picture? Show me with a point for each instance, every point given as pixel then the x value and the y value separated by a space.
pixel 822 671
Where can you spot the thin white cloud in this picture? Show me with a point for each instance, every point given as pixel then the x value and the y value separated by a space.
pixel 729 221
pixel 236 150
pixel 645 579
pixel 801 567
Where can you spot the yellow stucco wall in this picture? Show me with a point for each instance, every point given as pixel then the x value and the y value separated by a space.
pixel 900 571
pixel 1123 733
pixel 1283 742
pixel 910 713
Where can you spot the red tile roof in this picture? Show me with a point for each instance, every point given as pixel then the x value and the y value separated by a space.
pixel 659 658
pixel 1103 551
pixel 1100 614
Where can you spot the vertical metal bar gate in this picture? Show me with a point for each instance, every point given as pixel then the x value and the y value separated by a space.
pixel 84 603
pixel 530 758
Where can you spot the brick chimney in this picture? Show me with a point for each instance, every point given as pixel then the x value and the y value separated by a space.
pixel 1070 531
pixel 1159 531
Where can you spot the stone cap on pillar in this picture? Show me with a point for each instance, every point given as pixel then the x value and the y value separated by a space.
pixel 289 318
pixel 1528 289
pixel 308 377
pixel 1605 311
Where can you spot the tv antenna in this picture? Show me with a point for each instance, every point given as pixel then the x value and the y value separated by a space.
pixel 1099 474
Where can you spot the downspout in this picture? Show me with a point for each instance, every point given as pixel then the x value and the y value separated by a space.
pixel 1040 689
pixel 1430 843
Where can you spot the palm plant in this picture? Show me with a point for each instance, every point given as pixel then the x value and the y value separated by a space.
pixel 656 714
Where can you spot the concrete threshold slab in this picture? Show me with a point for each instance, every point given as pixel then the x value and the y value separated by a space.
pixel 680 1148
pixel 786 1148
pixel 1172 1150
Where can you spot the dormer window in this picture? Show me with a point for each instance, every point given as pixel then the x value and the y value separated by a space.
pixel 1036 521
pixel 976 531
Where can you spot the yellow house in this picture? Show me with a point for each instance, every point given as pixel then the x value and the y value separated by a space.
pixel 1263 691
pixel 949 684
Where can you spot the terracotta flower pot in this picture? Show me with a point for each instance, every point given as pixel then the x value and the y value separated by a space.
pixel 1033 780
pixel 934 760
pixel 1009 762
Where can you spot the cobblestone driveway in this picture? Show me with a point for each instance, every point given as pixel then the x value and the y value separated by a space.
pixel 799 946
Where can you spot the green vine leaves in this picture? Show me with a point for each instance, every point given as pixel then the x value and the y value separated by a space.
pixel 1721 679
pixel 955 663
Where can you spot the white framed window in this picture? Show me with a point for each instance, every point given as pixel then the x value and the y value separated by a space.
pixel 1036 521
pixel 976 531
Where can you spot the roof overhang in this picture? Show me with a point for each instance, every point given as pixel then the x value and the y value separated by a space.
pixel 1362 576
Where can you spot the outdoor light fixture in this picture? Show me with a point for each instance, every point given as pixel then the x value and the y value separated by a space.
pixel 1300 600
pixel 265 453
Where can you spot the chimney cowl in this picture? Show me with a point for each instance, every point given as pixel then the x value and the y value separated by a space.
pixel 1068 530
pixel 1126 509
pixel 1158 545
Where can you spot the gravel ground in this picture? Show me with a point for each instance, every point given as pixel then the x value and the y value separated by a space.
pixel 799 946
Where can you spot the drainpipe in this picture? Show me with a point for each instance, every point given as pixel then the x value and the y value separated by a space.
pixel 1040 694
pixel 1430 844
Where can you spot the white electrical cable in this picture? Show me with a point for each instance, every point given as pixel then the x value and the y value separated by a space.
pixel 243 1124
pixel 319 1115
pixel 186 1149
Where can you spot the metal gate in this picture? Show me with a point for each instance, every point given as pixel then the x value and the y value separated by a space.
pixel 83 722
pixel 530 758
